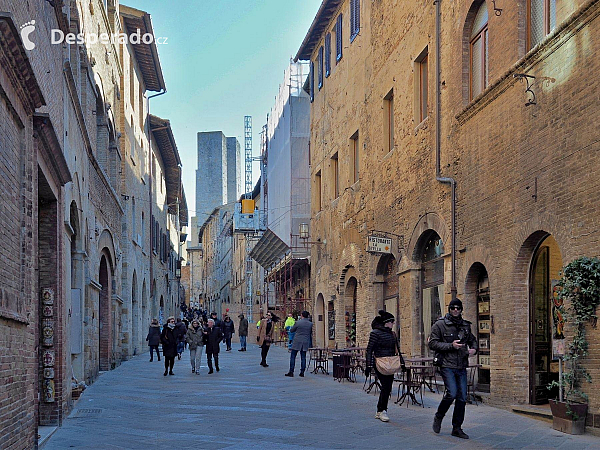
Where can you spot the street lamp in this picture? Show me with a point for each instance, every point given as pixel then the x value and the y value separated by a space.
pixel 303 231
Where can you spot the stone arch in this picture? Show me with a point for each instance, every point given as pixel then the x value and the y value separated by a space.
pixel 105 324
pixel 145 310
pixel 429 221
pixel 106 242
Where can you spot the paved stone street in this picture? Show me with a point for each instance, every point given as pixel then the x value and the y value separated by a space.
pixel 248 406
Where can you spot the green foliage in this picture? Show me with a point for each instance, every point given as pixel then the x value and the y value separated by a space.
pixel 580 290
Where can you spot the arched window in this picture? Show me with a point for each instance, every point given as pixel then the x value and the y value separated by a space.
pixel 479 52
pixel 541 20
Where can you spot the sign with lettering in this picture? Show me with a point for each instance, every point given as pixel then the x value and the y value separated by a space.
pixel 378 244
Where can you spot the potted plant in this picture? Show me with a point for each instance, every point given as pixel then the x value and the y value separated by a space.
pixel 579 290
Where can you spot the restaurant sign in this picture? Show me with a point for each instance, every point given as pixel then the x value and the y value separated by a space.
pixel 378 244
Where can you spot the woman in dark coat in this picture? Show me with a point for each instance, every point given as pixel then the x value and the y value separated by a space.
pixel 382 342
pixel 228 329
pixel 153 339
pixel 168 338
pixel 265 336
pixel 212 338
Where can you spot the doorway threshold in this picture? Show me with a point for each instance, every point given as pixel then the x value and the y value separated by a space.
pixel 540 412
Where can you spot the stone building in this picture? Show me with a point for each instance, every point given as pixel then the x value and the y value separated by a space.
pixel 73 147
pixel 460 135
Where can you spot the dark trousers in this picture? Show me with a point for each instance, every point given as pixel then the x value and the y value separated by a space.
pixel 228 342
pixel 263 353
pixel 152 348
pixel 455 381
pixel 386 382
pixel 302 361
pixel 209 357
pixel 169 363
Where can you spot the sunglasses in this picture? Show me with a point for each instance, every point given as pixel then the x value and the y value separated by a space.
pixel 456 308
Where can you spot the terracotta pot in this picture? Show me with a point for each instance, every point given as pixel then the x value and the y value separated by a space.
pixel 561 421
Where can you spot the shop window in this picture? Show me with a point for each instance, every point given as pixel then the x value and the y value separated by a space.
pixel 330 321
pixel 484 328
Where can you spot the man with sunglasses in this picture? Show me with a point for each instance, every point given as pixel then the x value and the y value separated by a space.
pixel 453 343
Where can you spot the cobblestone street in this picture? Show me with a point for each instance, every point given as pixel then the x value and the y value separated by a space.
pixel 247 406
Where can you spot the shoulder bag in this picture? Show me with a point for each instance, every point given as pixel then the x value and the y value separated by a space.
pixel 390 365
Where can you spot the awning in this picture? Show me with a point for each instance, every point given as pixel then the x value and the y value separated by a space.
pixel 269 250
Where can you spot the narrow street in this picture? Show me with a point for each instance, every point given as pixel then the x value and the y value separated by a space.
pixel 247 406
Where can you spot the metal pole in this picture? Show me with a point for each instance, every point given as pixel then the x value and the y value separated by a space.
pixel 560 378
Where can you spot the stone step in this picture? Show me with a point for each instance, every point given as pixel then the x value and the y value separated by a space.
pixel 540 412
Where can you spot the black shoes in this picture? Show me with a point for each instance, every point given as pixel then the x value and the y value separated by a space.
pixel 217 369
pixel 458 432
pixel 437 424
pixel 171 373
pixel 264 364
pixel 291 374
pixel 210 371
pixel 241 350
pixel 165 374
pixel 302 374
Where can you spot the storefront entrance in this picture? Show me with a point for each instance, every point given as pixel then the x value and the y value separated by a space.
pixel 543 366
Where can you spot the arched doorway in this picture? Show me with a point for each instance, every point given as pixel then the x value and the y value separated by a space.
pixel 432 284
pixel 350 312
pixel 104 321
pixel 544 273
pixel 320 328
pixel 135 315
pixel 145 312
pixel 477 310
pixel 161 311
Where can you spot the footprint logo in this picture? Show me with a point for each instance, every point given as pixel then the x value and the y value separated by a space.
pixel 26 30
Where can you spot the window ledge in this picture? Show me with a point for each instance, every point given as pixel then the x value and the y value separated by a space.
pixel 423 125
pixel 14 316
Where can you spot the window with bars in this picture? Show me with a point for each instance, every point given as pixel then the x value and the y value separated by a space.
pixel 388 111
pixel 311 77
pixel 422 63
pixel 320 67
pixel 541 20
pixel 335 170
pixel 479 52
pixel 318 188
pixel 355 154
pixel 354 18
pixel 338 39
pixel 327 55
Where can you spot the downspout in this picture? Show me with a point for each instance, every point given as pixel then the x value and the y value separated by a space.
pixel 438 138
pixel 151 252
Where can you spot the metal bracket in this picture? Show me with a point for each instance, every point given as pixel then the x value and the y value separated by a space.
pixel 528 79
pixel 497 11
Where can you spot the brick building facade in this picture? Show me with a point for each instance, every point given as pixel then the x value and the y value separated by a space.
pixel 67 308
pixel 485 189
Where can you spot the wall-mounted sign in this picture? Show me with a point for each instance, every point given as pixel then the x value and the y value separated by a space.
pixel 377 244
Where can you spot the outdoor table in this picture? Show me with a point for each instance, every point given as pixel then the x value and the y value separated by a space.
pixel 410 386
pixel 320 358
pixel 427 361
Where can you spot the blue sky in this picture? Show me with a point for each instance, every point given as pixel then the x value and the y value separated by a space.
pixel 224 60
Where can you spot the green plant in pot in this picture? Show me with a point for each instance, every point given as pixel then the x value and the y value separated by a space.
pixel 579 290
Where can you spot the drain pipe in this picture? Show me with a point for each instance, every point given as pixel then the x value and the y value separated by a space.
pixel 438 143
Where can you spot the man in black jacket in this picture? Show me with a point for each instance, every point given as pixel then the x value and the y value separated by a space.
pixel 453 342
pixel 213 337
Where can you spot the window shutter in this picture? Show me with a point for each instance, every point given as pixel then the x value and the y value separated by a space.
pixel 354 18
pixel 320 69
pixel 352 8
pixel 312 81
pixel 327 54
pixel 338 38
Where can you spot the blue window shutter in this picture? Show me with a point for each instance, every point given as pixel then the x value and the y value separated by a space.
pixel 312 81
pixel 320 68
pixel 338 39
pixel 352 17
pixel 327 54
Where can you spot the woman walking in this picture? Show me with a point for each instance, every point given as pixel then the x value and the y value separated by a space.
pixel 265 336
pixel 168 338
pixel 382 342
pixel 228 329
pixel 153 339
pixel 195 340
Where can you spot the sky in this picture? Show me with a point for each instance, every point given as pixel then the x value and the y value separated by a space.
pixel 223 60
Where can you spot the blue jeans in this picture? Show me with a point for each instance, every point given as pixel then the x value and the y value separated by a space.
pixel 455 381
pixel 243 341
pixel 293 361
pixel 290 339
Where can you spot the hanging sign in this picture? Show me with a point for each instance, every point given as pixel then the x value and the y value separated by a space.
pixel 377 244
